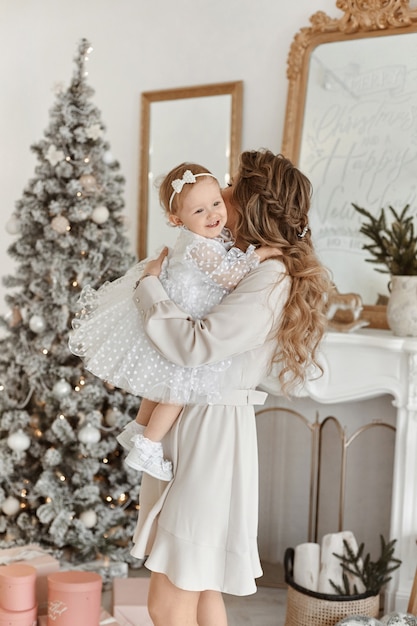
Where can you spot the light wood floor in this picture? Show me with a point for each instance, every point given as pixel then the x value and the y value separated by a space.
pixel 264 608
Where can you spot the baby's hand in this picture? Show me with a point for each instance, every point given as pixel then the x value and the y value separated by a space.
pixel 154 267
pixel 267 252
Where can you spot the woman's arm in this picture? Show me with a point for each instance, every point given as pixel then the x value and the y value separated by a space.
pixel 241 322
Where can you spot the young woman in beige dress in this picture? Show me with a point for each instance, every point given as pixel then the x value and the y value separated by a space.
pixel 200 531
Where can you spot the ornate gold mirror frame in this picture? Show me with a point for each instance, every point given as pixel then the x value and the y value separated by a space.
pixel 361 19
pixel 321 79
pixel 207 120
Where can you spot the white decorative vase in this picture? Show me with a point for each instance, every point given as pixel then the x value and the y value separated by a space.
pixel 402 306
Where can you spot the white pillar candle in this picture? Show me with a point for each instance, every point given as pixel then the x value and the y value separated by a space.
pixel 330 566
pixel 307 565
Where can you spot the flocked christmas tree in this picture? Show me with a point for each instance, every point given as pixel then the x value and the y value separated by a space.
pixel 63 483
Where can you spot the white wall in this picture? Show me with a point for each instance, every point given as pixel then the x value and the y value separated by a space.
pixel 138 46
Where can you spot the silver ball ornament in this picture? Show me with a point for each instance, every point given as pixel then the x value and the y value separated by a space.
pixel 60 224
pixel 18 441
pixel 112 416
pixel 108 158
pixel 89 434
pixel 61 389
pixel 88 183
pixel 88 518
pixel 100 214
pixel 399 619
pixel 37 324
pixel 10 506
pixel 13 225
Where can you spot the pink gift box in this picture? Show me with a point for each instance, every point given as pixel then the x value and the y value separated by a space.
pixel 130 599
pixel 105 619
pixel 18 618
pixel 17 587
pixel 43 562
pixel 74 598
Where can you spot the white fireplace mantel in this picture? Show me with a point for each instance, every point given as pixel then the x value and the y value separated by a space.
pixel 366 364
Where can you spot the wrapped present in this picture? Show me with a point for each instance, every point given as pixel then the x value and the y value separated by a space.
pixel 74 598
pixel 105 619
pixel 130 599
pixel 107 569
pixel 43 562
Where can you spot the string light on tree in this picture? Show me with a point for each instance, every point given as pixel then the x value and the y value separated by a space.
pixel 68 233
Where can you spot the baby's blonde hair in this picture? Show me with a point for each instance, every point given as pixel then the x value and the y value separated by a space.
pixel 166 189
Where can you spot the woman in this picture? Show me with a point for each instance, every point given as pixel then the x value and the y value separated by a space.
pixel 200 531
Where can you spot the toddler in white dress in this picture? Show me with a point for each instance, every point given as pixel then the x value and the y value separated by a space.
pixel 200 270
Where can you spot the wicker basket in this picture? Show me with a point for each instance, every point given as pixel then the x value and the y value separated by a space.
pixel 307 608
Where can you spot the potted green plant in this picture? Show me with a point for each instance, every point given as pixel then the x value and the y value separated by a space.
pixel 393 246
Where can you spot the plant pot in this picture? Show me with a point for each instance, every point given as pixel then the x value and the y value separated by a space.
pixel 402 306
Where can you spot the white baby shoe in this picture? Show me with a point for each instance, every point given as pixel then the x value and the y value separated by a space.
pixel 147 456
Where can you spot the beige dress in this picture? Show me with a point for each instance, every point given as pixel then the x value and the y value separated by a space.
pixel 201 528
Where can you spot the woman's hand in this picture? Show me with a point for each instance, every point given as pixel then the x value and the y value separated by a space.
pixel 267 252
pixel 154 267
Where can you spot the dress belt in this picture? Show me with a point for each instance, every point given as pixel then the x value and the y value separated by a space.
pixel 239 397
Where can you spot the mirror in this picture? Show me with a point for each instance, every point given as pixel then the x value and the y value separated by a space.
pixel 351 127
pixel 201 124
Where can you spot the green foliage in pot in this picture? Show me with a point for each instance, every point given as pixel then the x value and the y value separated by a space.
pixel 373 574
pixel 393 245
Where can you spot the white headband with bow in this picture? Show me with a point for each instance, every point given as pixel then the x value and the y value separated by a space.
pixel 187 177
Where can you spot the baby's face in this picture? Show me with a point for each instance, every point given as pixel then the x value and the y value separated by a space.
pixel 202 208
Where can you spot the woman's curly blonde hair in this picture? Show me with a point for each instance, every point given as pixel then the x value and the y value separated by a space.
pixel 272 199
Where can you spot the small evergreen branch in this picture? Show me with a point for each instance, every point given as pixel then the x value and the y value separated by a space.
pixel 395 245
pixel 373 574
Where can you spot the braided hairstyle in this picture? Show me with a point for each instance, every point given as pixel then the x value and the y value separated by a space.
pixel 272 198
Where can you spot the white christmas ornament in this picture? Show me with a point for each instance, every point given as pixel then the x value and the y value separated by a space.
pixel 100 214
pixel 359 620
pixel 60 224
pixel 18 441
pixel 61 389
pixel 10 506
pixel 89 434
pixel 13 225
pixel 399 619
pixel 89 518
pixel 108 158
pixel 112 417
pixel 37 324
pixel 88 183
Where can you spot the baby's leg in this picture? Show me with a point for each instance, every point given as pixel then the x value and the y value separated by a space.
pixel 145 411
pixel 137 426
pixel 147 452
pixel 162 419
